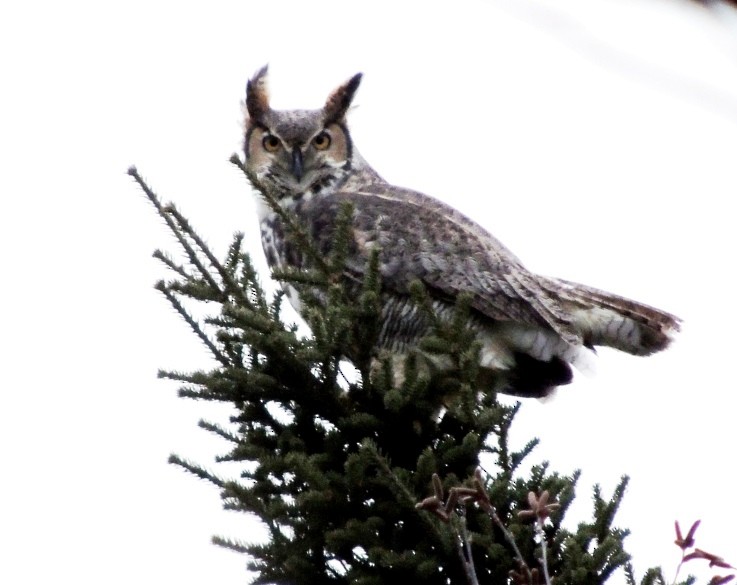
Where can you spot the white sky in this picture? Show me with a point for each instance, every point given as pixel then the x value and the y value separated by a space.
pixel 595 138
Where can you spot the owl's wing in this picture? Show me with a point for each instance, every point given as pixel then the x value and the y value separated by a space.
pixel 423 239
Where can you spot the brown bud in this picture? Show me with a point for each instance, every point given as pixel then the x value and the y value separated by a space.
pixel 437 486
pixel 717 580
pixel 688 541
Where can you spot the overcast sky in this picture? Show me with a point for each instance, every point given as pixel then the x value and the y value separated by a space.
pixel 595 138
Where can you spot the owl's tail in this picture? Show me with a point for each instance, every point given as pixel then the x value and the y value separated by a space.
pixel 602 318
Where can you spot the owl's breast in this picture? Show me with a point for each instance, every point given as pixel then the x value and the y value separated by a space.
pixel 275 250
pixel 272 241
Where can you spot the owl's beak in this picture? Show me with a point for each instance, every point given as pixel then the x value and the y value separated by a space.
pixel 297 163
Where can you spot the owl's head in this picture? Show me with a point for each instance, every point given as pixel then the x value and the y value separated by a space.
pixel 295 151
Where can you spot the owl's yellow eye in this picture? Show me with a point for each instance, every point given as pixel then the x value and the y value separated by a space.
pixel 271 143
pixel 321 141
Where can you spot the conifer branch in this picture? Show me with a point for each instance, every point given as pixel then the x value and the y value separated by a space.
pixel 219 431
pixel 167 213
pixel 196 470
pixel 292 225
pixel 234 253
pixel 161 286
pixel 179 269
pixel 401 489
pixel 231 287
pixel 230 544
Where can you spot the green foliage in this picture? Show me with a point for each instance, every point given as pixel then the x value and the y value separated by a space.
pixel 333 464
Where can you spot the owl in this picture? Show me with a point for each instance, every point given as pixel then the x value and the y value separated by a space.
pixel 532 329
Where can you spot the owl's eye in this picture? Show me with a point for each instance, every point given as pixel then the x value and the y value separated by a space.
pixel 321 141
pixel 271 143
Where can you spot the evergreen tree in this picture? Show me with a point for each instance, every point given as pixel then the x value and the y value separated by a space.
pixel 360 478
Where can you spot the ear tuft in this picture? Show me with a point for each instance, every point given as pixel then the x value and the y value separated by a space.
pixel 340 100
pixel 257 95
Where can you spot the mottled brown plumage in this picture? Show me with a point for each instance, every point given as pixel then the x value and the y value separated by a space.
pixel 531 327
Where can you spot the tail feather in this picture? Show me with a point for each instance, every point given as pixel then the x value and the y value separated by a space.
pixel 607 319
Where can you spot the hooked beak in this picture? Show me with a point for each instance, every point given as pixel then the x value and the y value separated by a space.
pixel 297 163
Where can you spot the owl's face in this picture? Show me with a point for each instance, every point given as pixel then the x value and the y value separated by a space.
pixel 297 151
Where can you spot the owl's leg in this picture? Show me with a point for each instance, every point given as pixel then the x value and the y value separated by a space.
pixel 396 362
pixel 423 364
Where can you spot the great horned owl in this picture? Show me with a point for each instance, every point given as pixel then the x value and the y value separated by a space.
pixel 532 328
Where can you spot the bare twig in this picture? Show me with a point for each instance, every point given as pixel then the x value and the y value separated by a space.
pixel 687 542
pixel 466 495
pixel 544 547
pixel 463 543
